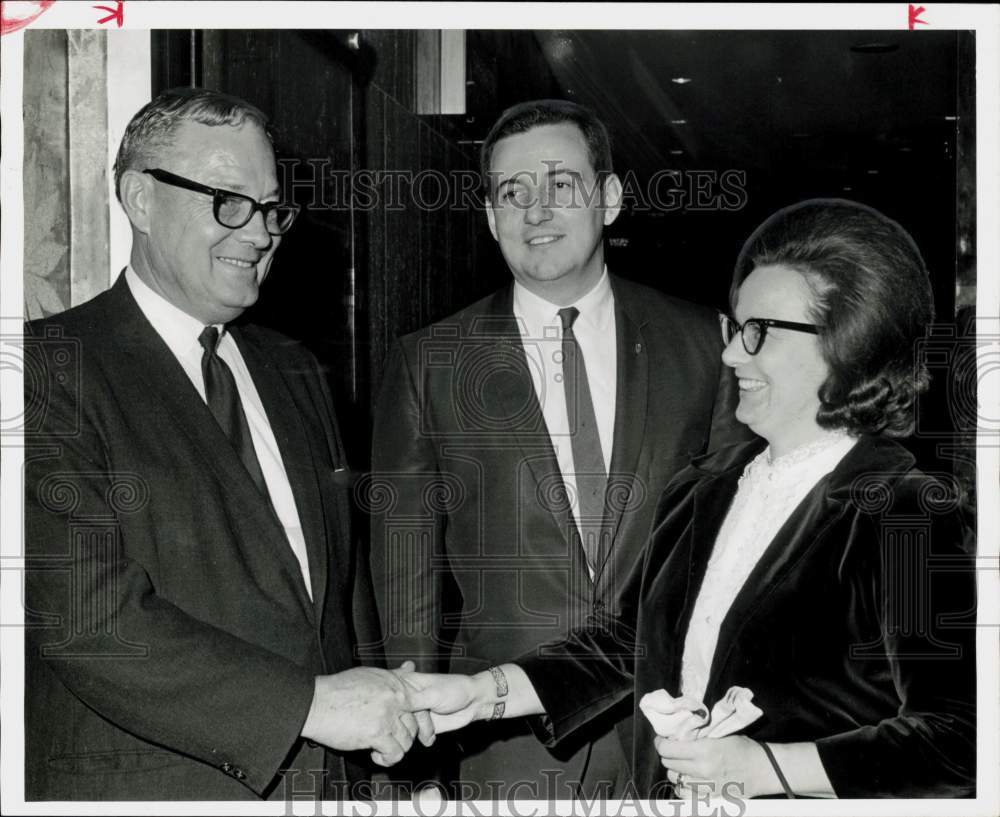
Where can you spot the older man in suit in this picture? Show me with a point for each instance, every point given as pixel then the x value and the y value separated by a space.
pixel 193 599
pixel 520 445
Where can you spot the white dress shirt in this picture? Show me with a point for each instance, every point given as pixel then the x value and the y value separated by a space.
pixel 180 332
pixel 767 494
pixel 541 336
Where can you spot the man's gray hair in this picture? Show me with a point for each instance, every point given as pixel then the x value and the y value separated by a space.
pixel 152 129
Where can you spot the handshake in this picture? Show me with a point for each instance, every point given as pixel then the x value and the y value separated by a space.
pixel 386 710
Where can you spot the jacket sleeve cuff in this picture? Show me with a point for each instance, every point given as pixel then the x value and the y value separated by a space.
pixel 848 765
pixel 257 749
pixel 568 703
pixel 860 764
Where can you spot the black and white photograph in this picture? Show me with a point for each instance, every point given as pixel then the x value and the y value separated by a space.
pixel 503 408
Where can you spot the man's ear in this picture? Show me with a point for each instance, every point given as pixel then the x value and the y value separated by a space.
pixel 612 198
pixel 136 191
pixel 491 218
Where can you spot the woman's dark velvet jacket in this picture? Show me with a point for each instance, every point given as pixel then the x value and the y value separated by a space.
pixel 856 629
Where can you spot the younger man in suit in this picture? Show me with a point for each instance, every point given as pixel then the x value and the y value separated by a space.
pixel 189 564
pixel 524 441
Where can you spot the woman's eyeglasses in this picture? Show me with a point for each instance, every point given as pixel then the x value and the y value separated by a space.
pixel 234 210
pixel 753 330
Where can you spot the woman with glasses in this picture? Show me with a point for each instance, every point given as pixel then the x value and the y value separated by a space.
pixel 816 567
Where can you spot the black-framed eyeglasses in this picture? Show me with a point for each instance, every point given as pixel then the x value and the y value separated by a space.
pixel 234 210
pixel 753 330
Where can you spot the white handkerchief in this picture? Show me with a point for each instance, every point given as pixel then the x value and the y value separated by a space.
pixel 686 718
pixel 671 717
pixel 731 713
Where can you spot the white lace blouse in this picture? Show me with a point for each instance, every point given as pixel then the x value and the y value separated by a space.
pixel 767 494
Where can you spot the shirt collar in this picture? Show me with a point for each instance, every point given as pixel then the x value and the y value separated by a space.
pixel 535 313
pixel 179 330
pixel 822 453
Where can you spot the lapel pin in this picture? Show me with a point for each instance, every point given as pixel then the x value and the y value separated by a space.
pixel 638 348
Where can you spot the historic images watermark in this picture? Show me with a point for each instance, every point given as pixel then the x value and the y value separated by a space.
pixel 317 185
pixel 557 793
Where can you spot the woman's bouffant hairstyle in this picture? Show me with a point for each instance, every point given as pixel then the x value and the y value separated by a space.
pixel 872 299
pixel 152 129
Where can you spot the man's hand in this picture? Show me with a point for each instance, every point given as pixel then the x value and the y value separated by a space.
pixel 365 708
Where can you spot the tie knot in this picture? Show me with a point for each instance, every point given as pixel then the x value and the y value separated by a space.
pixel 567 315
pixel 209 339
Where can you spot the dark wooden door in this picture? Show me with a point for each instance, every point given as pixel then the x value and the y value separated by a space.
pixel 311 85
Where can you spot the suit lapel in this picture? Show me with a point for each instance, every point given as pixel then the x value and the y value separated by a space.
pixel 154 364
pixel 510 393
pixel 710 503
pixel 691 546
pixel 631 395
pixel 805 528
pixel 287 419
pixel 785 550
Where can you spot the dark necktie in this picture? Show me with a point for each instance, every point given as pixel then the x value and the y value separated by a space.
pixel 588 460
pixel 224 401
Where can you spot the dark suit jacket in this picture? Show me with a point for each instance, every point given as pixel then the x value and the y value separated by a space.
pixel 855 630
pixel 475 554
pixel 171 646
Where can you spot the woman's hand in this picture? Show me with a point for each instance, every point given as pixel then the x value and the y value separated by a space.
pixel 451 700
pixel 736 760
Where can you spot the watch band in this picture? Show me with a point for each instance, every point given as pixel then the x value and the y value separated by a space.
pixel 502 689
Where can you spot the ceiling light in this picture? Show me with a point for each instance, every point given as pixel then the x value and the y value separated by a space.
pixel 872 172
pixel 680 80
pixel 678 121
pixel 951 119
pixel 875 48
pixel 677 153
pixel 559 49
